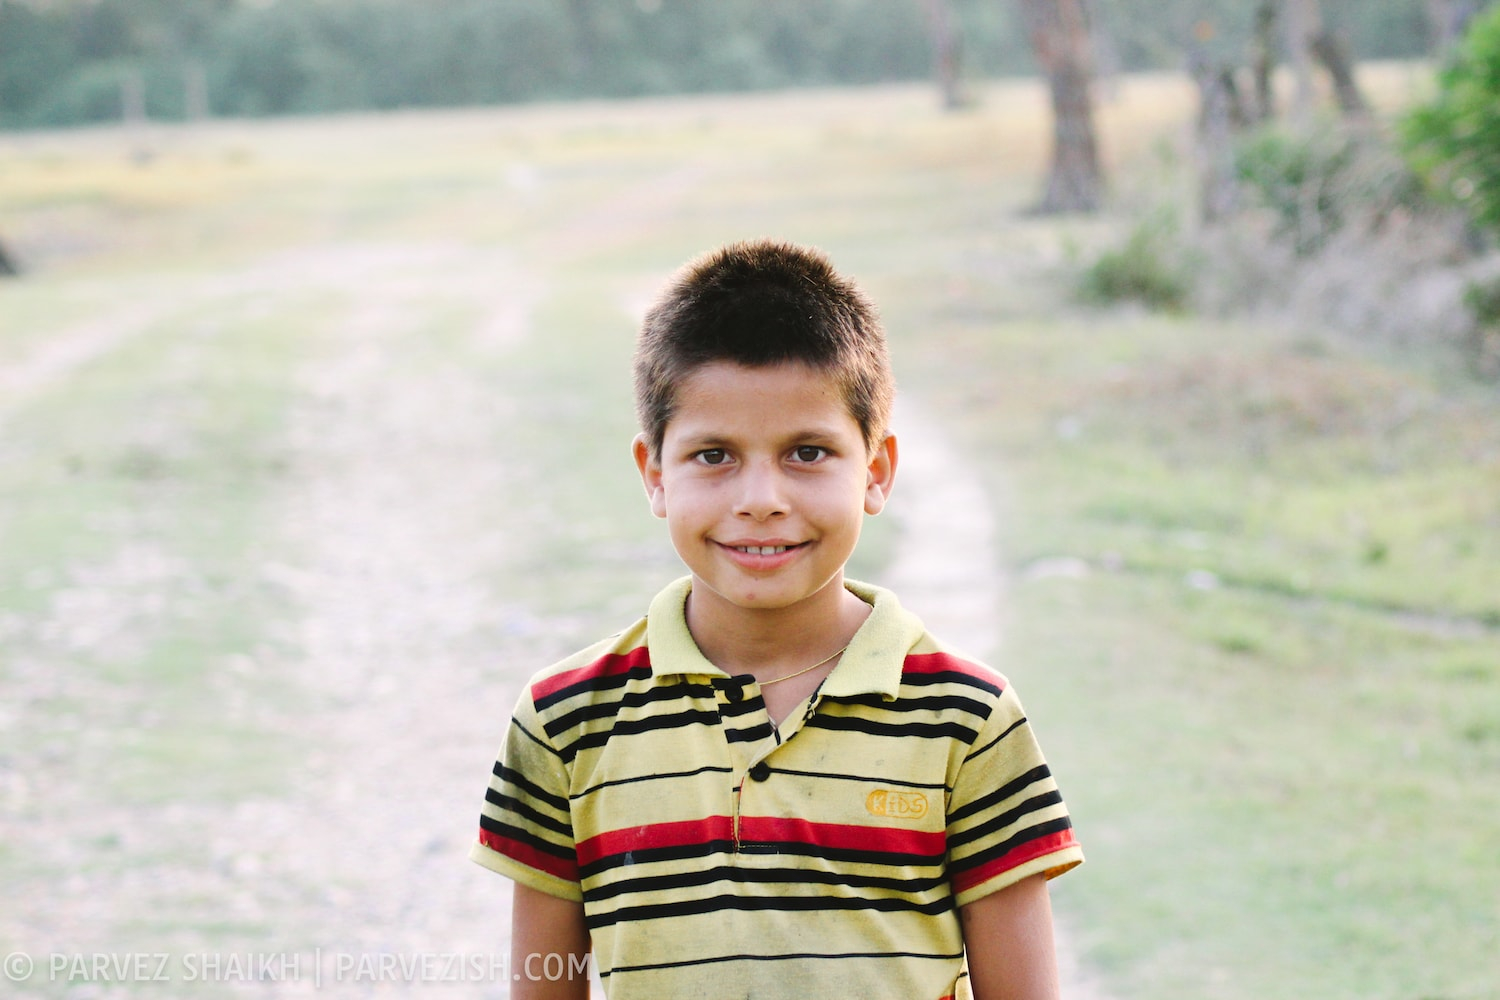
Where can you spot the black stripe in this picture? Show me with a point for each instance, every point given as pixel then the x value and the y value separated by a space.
pixel 632 726
pixel 1008 818
pixel 992 799
pixel 735 873
pixel 780 957
pixel 1008 730
pixel 922 730
pixel 647 856
pixel 512 804
pixel 866 778
pixel 631 699
pixel 787 904
pixel 854 855
pixel 526 837
pixel 754 734
pixel 665 776
pixel 735 709
pixel 927 703
pixel 951 677
pixel 599 682
pixel 999 850
pixel 514 777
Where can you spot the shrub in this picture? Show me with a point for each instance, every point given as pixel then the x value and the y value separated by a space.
pixel 1454 141
pixel 1148 268
pixel 1483 343
pixel 1318 181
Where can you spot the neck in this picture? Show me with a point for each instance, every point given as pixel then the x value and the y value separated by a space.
pixel 774 640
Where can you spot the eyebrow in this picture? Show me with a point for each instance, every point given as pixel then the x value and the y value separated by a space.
pixel 803 434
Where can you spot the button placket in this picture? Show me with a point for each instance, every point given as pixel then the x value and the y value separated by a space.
pixel 756 769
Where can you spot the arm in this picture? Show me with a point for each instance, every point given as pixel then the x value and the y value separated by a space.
pixel 543 925
pixel 1008 938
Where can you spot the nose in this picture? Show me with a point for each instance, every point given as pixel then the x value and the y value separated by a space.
pixel 762 493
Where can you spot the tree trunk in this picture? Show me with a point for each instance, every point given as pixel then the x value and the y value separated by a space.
pixel 195 90
pixel 1304 22
pixel 1059 31
pixel 1217 97
pixel 1334 56
pixel 1263 60
pixel 945 53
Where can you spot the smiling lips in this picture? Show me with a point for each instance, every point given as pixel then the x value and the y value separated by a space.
pixel 762 550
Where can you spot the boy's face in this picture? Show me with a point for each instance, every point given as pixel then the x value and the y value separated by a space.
pixel 764 480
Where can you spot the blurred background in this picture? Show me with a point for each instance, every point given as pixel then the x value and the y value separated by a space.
pixel 315 323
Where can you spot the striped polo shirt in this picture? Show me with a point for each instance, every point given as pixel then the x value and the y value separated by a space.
pixel 717 854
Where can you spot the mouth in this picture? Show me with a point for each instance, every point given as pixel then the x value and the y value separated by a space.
pixel 762 550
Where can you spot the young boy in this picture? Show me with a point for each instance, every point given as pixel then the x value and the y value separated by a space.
pixel 776 784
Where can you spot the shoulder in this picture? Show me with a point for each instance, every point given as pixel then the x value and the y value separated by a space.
pixel 605 666
pixel 929 665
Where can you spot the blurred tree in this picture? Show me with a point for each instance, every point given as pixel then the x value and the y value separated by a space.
pixel 61 61
pixel 1060 38
pixel 35 56
pixel 1263 59
pixel 1304 22
pixel 945 52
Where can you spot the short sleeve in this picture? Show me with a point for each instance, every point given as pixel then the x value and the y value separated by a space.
pixel 1006 818
pixel 525 828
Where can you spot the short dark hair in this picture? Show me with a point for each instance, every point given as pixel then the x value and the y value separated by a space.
pixel 760 304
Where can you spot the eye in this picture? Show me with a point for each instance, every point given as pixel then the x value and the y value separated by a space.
pixel 712 456
pixel 809 453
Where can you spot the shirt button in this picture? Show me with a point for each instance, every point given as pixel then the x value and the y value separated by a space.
pixel 760 772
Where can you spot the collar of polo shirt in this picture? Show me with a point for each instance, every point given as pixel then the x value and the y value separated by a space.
pixel 871 665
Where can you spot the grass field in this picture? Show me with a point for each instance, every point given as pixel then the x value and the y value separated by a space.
pixel 313 446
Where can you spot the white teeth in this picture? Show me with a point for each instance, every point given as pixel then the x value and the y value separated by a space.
pixel 763 550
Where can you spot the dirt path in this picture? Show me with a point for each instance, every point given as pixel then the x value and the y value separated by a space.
pixel 399 664
pixel 947 570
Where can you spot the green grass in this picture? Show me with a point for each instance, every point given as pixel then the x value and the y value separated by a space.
pixel 1273 701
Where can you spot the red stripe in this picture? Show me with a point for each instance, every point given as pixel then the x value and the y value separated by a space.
pixel 934 663
pixel 529 856
pixel 762 829
pixel 642 838
pixel 605 666
pixel 844 836
pixel 1015 858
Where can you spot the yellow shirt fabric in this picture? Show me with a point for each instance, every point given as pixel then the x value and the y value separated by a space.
pixel 719 855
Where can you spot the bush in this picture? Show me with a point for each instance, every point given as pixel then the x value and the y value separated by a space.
pixel 1455 140
pixel 1483 343
pixel 1316 182
pixel 1148 268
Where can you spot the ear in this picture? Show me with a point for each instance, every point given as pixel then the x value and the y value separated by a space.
pixel 650 470
pixel 881 475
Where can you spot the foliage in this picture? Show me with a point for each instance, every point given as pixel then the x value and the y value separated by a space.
pixel 1140 35
pixel 1147 268
pixel 1482 298
pixel 59 60
pixel 1455 139
pixel 1316 181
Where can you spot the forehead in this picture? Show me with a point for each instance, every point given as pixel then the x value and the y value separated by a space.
pixel 724 397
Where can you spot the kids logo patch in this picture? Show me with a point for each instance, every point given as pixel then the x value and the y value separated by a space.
pixel 896 805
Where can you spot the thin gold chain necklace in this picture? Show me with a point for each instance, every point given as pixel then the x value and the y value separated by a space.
pixel 804 670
